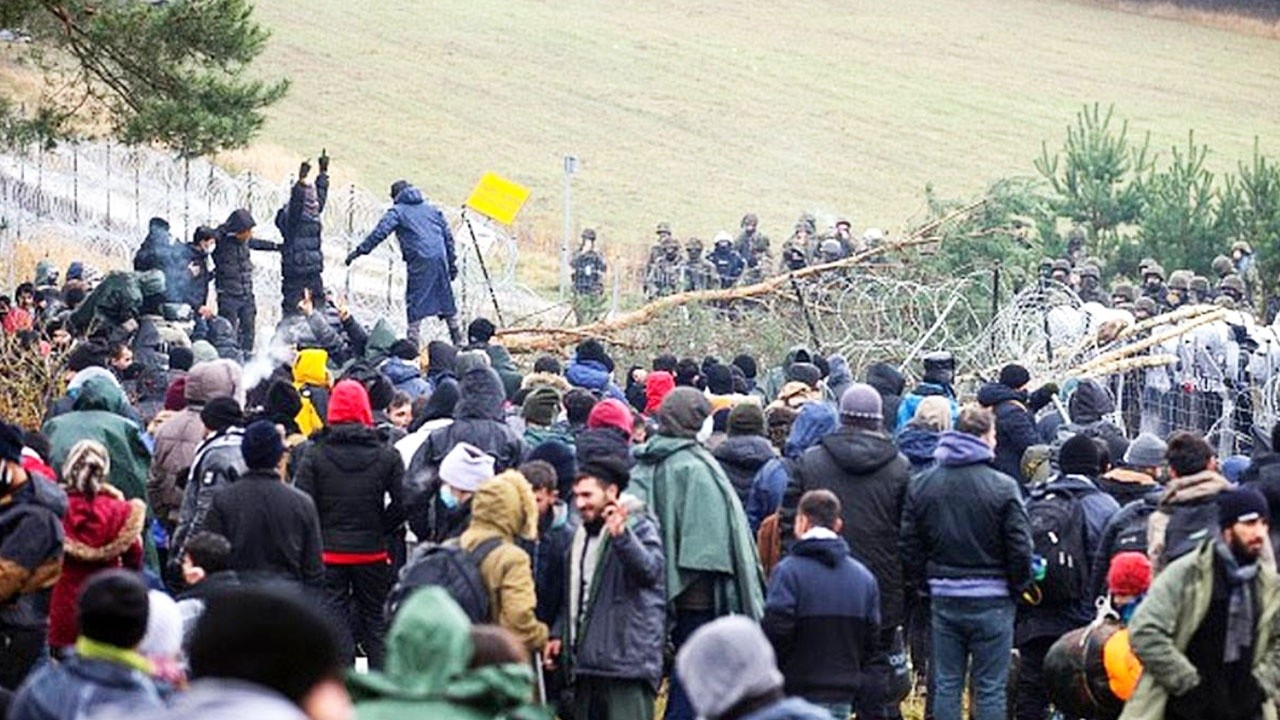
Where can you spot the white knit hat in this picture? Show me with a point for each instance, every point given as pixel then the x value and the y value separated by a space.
pixel 163 640
pixel 465 467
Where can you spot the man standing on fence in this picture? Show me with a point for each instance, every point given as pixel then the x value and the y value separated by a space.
pixel 426 244
pixel 233 274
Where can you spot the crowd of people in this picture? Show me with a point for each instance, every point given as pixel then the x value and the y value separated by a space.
pixel 352 524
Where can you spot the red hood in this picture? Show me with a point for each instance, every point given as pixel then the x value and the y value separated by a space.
pixel 95 522
pixel 656 387
pixel 349 403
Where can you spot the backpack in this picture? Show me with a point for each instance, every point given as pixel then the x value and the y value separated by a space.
pixel 448 566
pixel 1132 536
pixel 1189 524
pixel 1057 532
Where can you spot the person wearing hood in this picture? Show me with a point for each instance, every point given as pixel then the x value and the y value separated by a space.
pixel 480 337
pixel 918 440
pixel 541 411
pixel 217 463
pixel 745 451
pixel 1091 408
pixel 592 369
pixel 156 247
pixel 31 541
pixel 1186 507
pixel 1015 416
pixel 939 371
pixel 823 612
pixel 504 508
pixel 778 376
pixel 426 245
pixel 1042 623
pixel 349 472
pixel 616 576
pixel 1138 475
pixel 711 563
pixel 435 414
pixel 966 540
pixel 860 464
pixel 106 673
pixel 656 386
pixel 814 422
pixel 732 674
pixel 401 368
pixel 177 439
pixel 312 379
pixel 233 274
pixel 1263 474
pixel 431 672
pixel 101 529
pixel 839 377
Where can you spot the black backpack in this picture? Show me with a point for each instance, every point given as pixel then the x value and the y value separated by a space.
pixel 1189 524
pixel 1057 531
pixel 448 566
pixel 1132 536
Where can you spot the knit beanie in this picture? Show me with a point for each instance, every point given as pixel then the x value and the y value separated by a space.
pixel 593 349
pixel 861 402
pixel 11 443
pixel 1129 574
pixel 113 608
pixel 725 662
pixel 181 358
pixel 548 364
pixel 747 364
pixel 203 351
pixel 221 413
pixel 163 640
pixel 559 456
pixel 349 403
pixel 719 379
pixel 403 349
pixel 175 396
pixel 746 418
pixel 610 412
pixel 465 467
pixel 1014 376
pixel 480 331
pixel 1146 450
pixel 1079 456
pixel 611 469
pixel 1241 504
pixel 541 406
pixel 261 445
pixel 86 468
pixel 682 413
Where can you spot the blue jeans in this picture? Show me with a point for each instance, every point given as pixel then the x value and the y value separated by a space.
pixel 974 634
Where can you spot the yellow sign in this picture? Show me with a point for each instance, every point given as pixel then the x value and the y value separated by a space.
pixel 498 198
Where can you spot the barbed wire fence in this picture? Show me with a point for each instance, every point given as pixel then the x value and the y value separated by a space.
pixel 98 198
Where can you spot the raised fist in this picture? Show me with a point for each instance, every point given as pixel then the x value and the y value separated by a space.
pixel 323 160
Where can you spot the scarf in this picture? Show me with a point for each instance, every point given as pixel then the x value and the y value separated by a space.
pixel 90 649
pixel 1240 606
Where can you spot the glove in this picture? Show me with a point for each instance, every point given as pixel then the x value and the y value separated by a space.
pixel 304 169
pixel 351 256
pixel 324 161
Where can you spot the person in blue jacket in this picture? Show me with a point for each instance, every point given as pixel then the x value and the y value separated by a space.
pixel 426 244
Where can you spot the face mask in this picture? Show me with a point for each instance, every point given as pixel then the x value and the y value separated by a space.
pixel 448 498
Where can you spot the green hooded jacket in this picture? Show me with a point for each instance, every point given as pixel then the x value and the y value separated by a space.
pixel 381 338
pixel 704 529
pixel 428 651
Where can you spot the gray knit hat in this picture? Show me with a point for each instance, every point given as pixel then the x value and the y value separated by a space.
pixel 682 413
pixel 465 467
pixel 1146 450
pixel 861 402
pixel 725 662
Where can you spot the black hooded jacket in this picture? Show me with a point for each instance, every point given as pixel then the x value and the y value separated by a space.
pixel 1015 426
pixel 867 473
pixel 301 255
pixel 233 271
pixel 887 381
pixel 348 471
pixel 741 457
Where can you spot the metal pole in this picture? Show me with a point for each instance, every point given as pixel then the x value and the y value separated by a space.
pixel 75 181
pixel 108 185
pixel 570 167
pixel 483 268
pixel 995 299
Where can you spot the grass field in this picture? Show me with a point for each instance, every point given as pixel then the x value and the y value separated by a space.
pixel 698 112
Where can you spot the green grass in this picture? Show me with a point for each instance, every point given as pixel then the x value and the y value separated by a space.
pixel 698 112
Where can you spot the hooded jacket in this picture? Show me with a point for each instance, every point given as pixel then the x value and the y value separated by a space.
pixel 81 687
pixel 429 649
pixel 887 381
pixel 100 413
pixel 822 617
pixel 406 377
pixel 865 471
pixel 177 439
pixel 218 463
pixel 1015 426
pixel 1090 406
pixel 31 539
pixel 656 386
pixel 917 445
pixel 273 529
pixel 594 376
pixel 301 253
pixel 742 457
pixel 777 377
pixel 311 378
pixel 1126 485
pixel 1186 494
pixel 704 529
pixel 963 519
pixel 426 245
pixel 504 508
pixel 349 472
pixel 233 262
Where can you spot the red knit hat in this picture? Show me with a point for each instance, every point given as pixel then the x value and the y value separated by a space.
pixel 610 413
pixel 175 398
pixel 349 403
pixel 1129 574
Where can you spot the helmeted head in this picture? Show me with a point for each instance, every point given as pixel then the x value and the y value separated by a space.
pixel 1232 286
pixel 873 236
pixel 670 247
pixel 1153 276
pixel 589 238
pixel 1061 270
pixel 1199 288
pixel 1240 248
pixel 723 240
pixel 1222 266
pixel 1122 293
pixel 663 230
pixel 750 222
pixel 693 246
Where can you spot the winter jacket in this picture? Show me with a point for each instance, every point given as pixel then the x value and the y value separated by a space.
pixel 964 519
pixel 348 472
pixel 217 463
pixel 426 678
pixel 767 489
pixel 180 285
pixel 887 381
pixel 619 630
pixel 550 562
pixel 1168 618
pixel 742 457
pixel 153 254
pixel 704 530
pixel 822 616
pixel 504 508
pixel 31 541
pixel 406 377
pixel 839 378
pixel 1125 531
pixel 907 408
pixel 101 532
pixel 81 687
pixel 917 445
pixel 101 414
pixel 1045 620
pixel 1126 485
pixel 426 244
pixel 232 260
pixel 312 379
pixel 224 699
pixel 273 529
pixel 177 439
pixel 1015 426
pixel 301 253
pixel 865 471
pixel 1181 495
pixel 777 376
pixel 1264 474
pixel 1090 408
pixel 594 376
